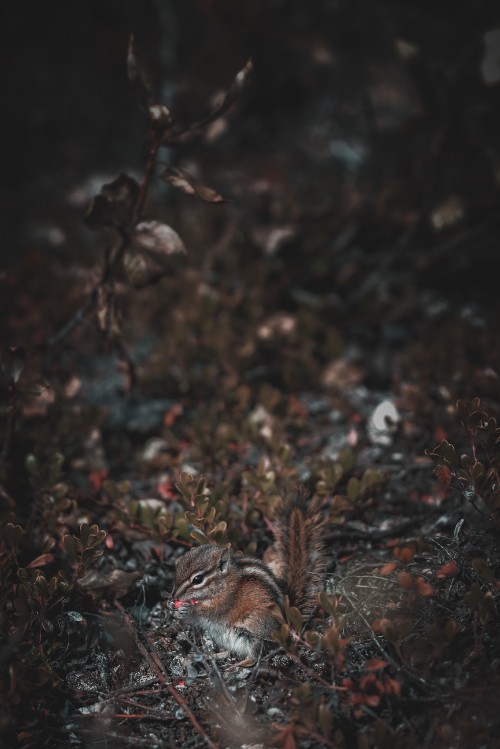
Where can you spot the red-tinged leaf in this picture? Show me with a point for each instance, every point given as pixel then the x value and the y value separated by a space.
pixel 372 700
pixel 156 553
pixel 171 416
pixel 447 570
pixel 96 479
pixel 404 554
pixel 40 561
pixel 388 568
pixel 375 664
pixel 139 75
pixel 369 681
pixel 391 686
pixel 289 740
pixel 405 580
pixel 423 588
pixel 443 473
pixel 439 434
pixel 182 180
pixel 166 490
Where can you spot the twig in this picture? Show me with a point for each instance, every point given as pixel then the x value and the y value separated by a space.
pixel 137 687
pixel 157 667
pixel 73 322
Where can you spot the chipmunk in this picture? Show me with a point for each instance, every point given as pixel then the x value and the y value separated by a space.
pixel 230 597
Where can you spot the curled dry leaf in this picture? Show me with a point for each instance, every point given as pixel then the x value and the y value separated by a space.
pixel 117 580
pixel 184 181
pixel 185 134
pixel 40 561
pixel 149 256
pixel 115 204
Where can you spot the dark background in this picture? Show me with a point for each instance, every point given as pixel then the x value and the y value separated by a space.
pixel 372 113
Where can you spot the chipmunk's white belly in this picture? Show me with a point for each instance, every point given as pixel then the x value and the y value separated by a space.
pixel 227 638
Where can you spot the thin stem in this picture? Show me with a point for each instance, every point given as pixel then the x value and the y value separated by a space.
pixel 156 141
pixel 73 322
pixel 157 668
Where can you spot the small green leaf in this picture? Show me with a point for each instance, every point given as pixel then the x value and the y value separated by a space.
pixel 328 603
pixel 295 618
pixel 353 488
pixel 199 536
pixel 325 719
pixel 69 543
pixel 84 533
pixel 479 565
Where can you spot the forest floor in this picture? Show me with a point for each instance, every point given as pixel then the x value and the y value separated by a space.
pixel 247 382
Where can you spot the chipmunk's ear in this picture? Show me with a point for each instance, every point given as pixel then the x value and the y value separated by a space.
pixel 224 560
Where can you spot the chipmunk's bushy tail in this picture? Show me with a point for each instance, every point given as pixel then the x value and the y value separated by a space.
pixel 298 532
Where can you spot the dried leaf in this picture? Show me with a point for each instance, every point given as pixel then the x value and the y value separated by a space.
pixel 158 239
pixel 139 75
pixel 184 181
pixel 388 568
pixel 375 664
pixel 405 580
pixel 447 570
pixel 423 588
pixel 117 580
pixel 115 204
pixel 191 131
pixel 150 255
pixel 40 561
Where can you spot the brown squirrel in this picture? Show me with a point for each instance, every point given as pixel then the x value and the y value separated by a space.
pixel 230 597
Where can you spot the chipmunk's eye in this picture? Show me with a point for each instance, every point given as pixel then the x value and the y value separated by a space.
pixel 198 579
